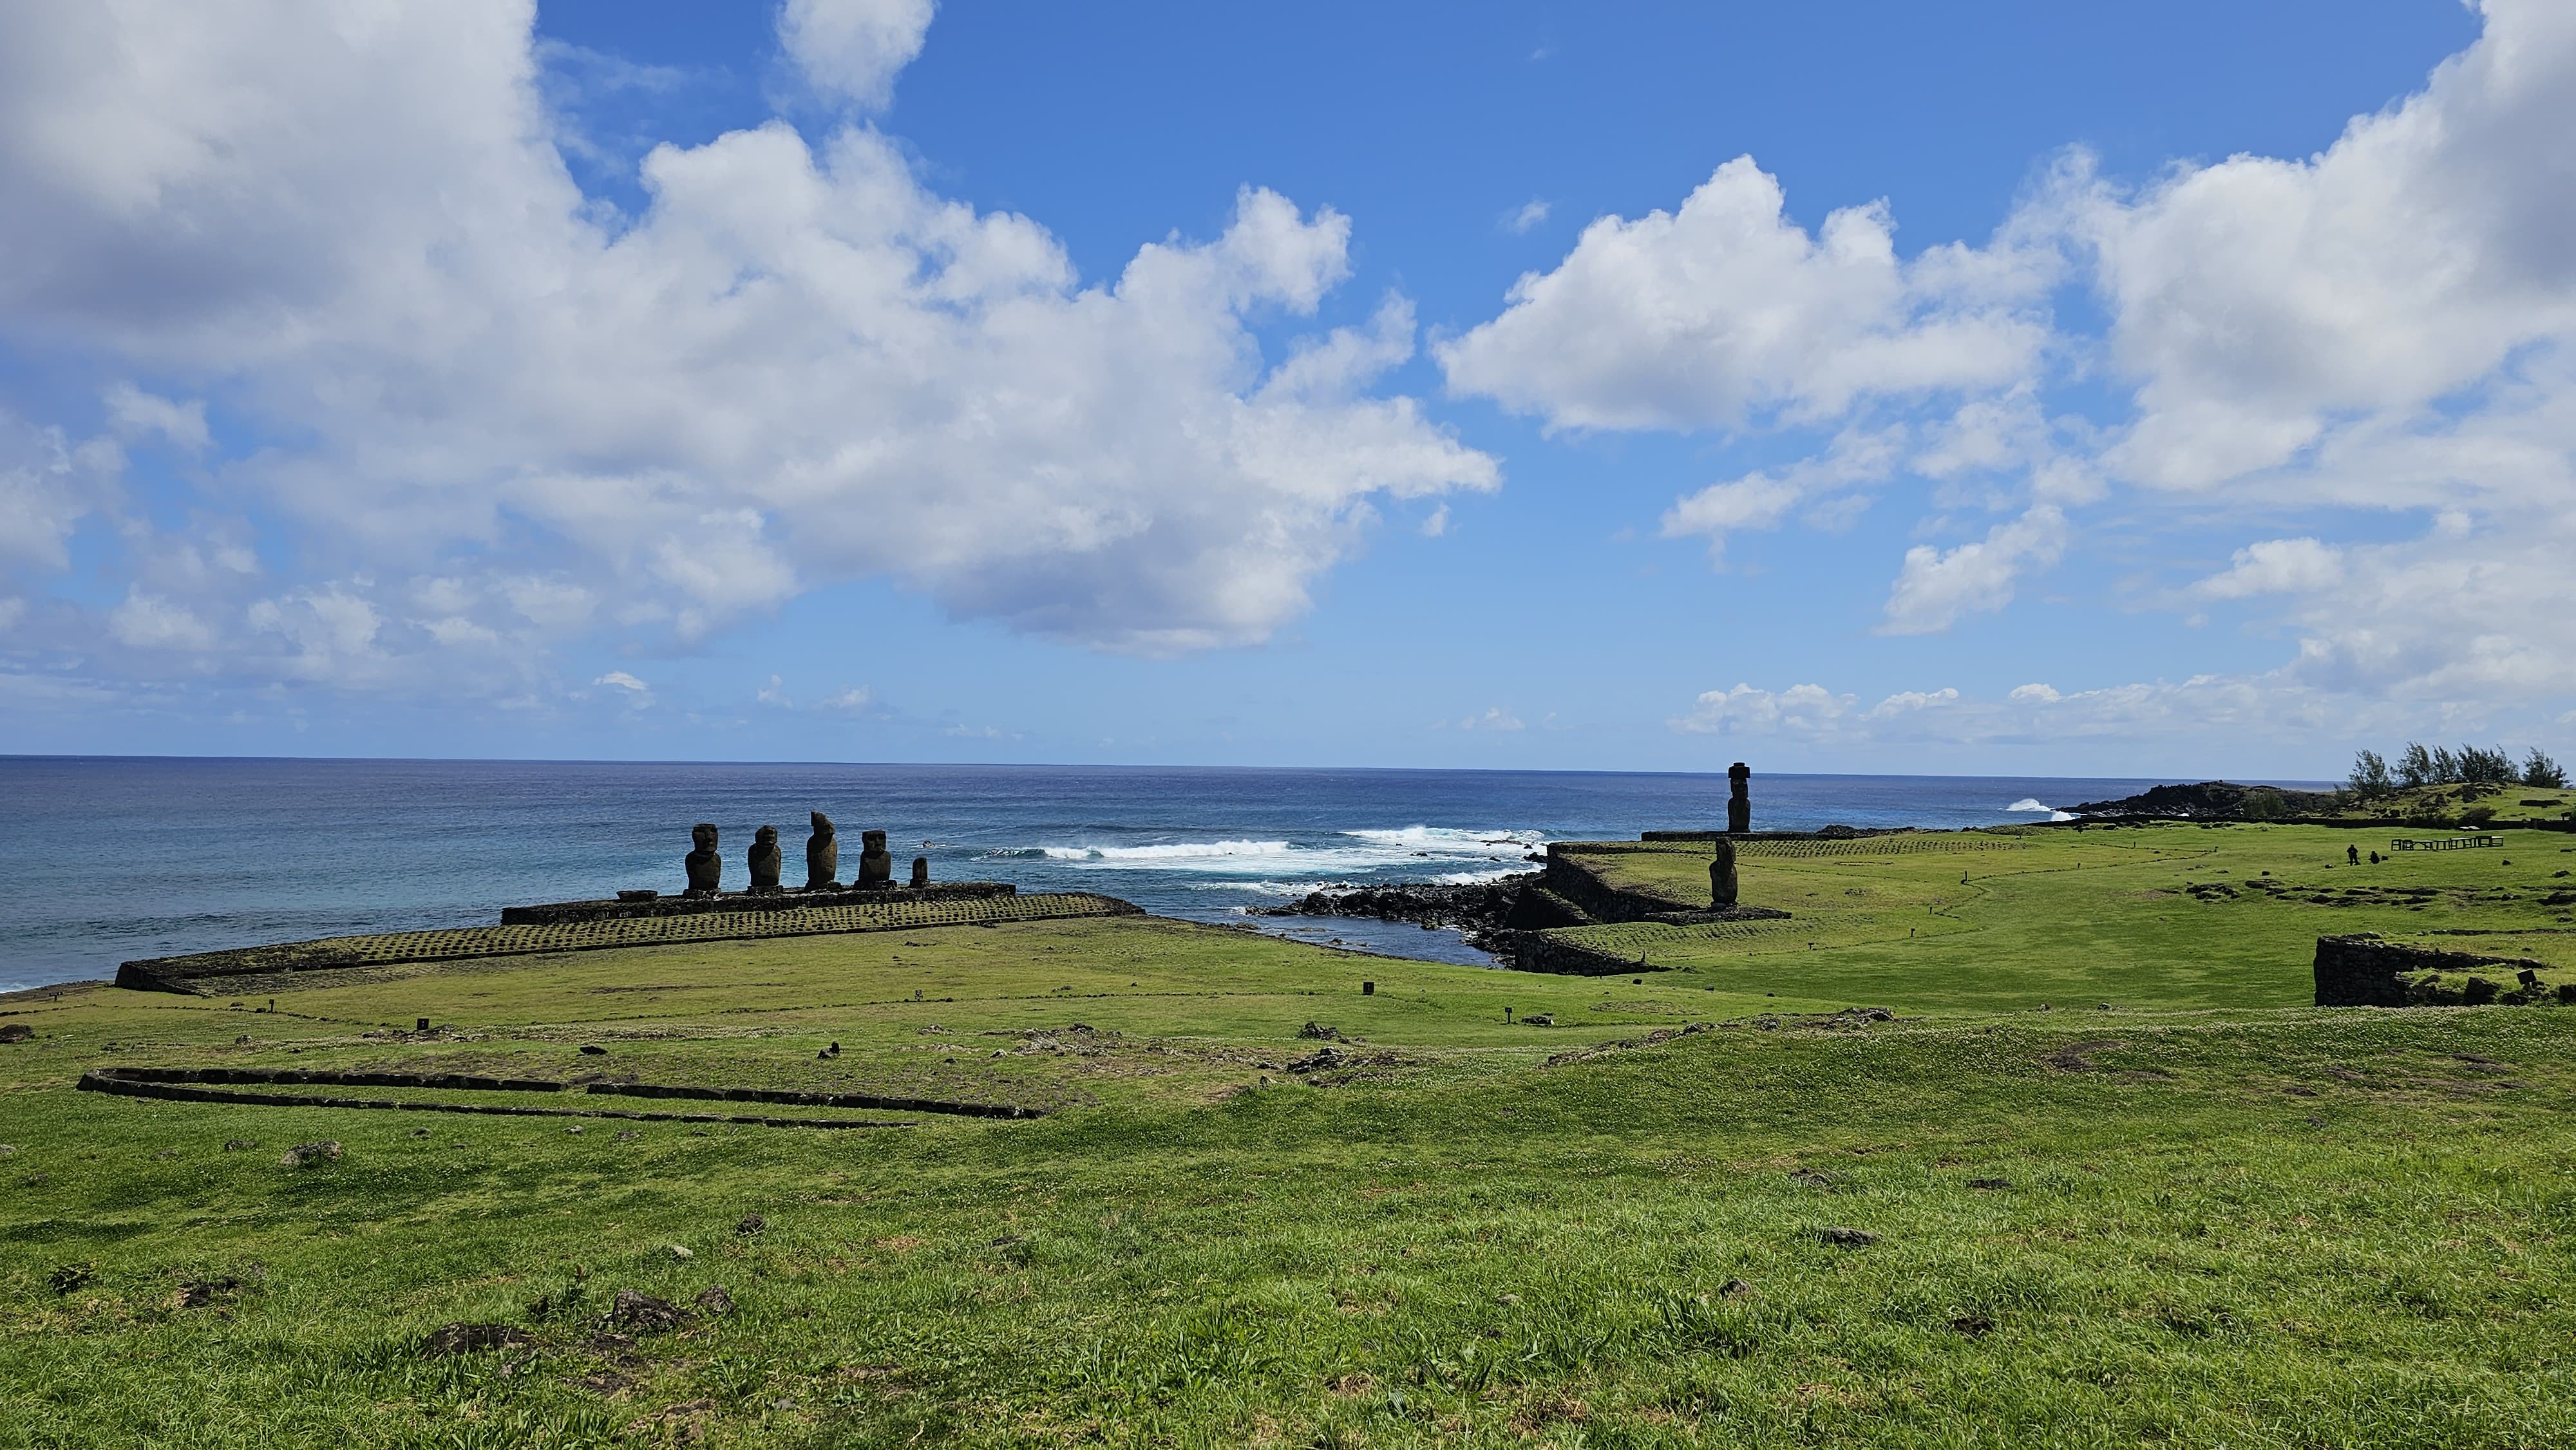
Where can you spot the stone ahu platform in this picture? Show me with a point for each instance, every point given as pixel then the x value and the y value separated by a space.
pixel 635 906
pixel 729 917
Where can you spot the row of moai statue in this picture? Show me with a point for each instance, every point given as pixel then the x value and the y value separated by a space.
pixel 1722 885
pixel 822 860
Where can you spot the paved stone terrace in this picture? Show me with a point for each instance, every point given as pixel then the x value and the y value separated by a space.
pixel 205 973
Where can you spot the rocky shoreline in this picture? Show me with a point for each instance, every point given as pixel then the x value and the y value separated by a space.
pixel 1476 912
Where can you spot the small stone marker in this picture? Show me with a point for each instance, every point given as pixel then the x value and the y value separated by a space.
pixel 424 1025
pixel 920 872
pixel 1368 989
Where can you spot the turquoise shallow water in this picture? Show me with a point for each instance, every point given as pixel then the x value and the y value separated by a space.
pixel 110 859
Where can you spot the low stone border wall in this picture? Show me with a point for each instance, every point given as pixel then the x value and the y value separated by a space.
pixel 140 1078
pixel 121 1083
pixel 201 974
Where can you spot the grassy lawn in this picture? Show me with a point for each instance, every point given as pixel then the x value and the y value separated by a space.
pixel 2207 1216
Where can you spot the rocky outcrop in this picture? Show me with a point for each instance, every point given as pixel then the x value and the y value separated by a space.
pixel 1477 907
pixel 2214 800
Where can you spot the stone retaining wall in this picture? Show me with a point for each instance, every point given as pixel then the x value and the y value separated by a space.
pixel 203 973
pixel 2364 970
pixel 554 913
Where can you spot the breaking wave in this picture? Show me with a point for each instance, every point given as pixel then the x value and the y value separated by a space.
pixel 1483 855
pixel 2030 804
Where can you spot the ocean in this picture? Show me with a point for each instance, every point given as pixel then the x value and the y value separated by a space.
pixel 112 859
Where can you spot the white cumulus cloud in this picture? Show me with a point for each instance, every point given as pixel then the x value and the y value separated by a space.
pixel 1724 311
pixel 353 232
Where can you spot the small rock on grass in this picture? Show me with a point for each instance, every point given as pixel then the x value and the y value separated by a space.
pixel 751 1223
pixel 1988 1183
pixel 1975 1326
pixel 643 1313
pixel 1846 1238
pixel 683 1251
pixel 303 1153
pixel 463 1338
pixel 7 1149
pixel 244 1145
pixel 593 1049
pixel 714 1300
pixel 1734 1289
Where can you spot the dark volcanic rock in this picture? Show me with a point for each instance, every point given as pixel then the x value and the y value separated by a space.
pixel 714 1300
pixel 1470 908
pixel 643 1313
pixel 2212 800
pixel 1846 1238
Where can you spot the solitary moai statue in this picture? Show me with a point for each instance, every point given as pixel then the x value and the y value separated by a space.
pixel 705 867
pixel 920 872
pixel 764 860
pixel 1721 876
pixel 1739 799
pixel 822 854
pixel 876 868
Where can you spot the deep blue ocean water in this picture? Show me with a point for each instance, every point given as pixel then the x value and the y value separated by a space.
pixel 111 859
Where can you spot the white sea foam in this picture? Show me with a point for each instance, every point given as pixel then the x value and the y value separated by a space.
pixel 2031 804
pixel 1364 851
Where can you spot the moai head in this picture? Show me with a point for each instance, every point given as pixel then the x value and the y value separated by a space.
pixel 702 836
pixel 822 825
pixel 765 839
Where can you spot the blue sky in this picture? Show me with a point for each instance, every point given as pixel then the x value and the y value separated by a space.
pixel 2120 389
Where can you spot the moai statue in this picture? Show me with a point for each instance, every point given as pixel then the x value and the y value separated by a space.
pixel 1721 876
pixel 764 861
pixel 876 868
pixel 705 867
pixel 920 872
pixel 822 855
pixel 1739 799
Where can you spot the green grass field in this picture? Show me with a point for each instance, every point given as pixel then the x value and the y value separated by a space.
pixel 2206 1215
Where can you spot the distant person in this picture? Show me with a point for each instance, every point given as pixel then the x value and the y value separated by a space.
pixel 2352 855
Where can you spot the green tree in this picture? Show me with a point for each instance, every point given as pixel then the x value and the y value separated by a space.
pixel 2488 766
pixel 2370 780
pixel 2538 769
pixel 2415 767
